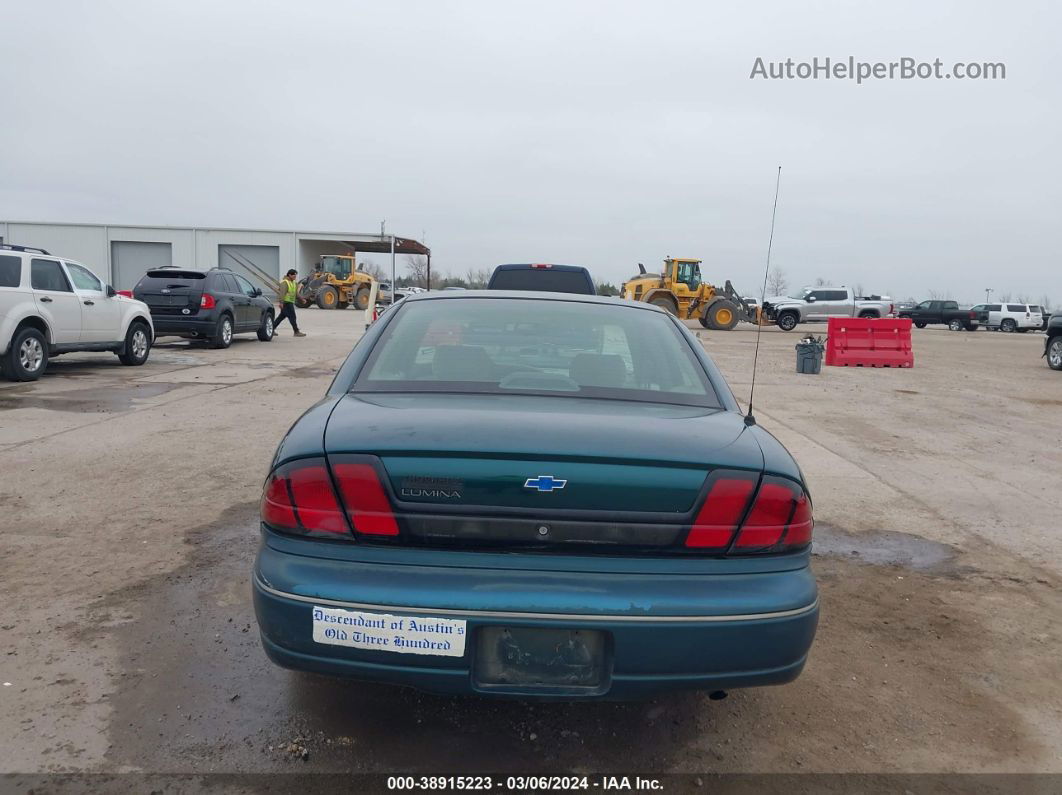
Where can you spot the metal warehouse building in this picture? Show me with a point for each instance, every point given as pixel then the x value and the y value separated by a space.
pixel 121 254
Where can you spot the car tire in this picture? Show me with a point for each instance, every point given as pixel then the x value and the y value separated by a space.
pixel 266 330
pixel 327 297
pixel 919 324
pixel 303 303
pixel 869 314
pixel 137 345
pixel 1054 353
pixel 27 358
pixel 955 325
pixel 361 298
pixel 787 321
pixel 721 316
pixel 1008 325
pixel 666 304
pixel 223 332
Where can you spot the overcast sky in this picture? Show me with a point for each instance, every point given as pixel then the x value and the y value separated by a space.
pixel 603 134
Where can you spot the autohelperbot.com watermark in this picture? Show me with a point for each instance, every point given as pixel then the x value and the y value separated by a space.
pixel 863 71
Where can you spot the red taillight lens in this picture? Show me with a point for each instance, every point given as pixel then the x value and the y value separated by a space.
pixel 367 504
pixel 779 519
pixel 719 516
pixel 126 293
pixel 541 265
pixel 298 497
pixel 207 301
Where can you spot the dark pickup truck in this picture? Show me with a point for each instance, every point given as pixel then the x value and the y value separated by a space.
pixel 946 313
pixel 1053 342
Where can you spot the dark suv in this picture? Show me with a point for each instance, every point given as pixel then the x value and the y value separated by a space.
pixel 208 305
pixel 543 276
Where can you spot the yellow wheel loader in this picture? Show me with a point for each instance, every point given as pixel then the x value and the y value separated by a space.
pixel 680 291
pixel 335 284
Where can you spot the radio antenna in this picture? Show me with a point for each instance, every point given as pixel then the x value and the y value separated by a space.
pixel 750 419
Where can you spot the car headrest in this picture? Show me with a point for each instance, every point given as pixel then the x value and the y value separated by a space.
pixel 462 363
pixel 598 369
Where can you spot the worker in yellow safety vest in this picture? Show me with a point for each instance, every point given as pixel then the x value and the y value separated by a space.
pixel 286 297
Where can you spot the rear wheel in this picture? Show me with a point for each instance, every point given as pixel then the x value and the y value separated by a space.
pixel 666 304
pixel 869 313
pixel 361 298
pixel 787 321
pixel 920 324
pixel 328 297
pixel 721 316
pixel 137 345
pixel 223 332
pixel 27 358
pixel 266 329
pixel 303 303
pixel 955 325
pixel 1008 325
pixel 1054 353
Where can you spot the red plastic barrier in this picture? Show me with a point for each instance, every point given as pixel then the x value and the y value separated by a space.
pixel 869 342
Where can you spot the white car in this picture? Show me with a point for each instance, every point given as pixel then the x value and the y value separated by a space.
pixel 1011 317
pixel 50 306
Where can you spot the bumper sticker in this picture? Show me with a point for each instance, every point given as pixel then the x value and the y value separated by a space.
pixel 384 632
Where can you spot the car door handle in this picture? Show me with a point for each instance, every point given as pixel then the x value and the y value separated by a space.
pixel 45 299
pixel 90 303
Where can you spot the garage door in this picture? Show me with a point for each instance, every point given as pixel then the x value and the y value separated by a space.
pixel 130 259
pixel 252 262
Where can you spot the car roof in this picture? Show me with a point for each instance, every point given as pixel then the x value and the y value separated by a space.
pixel 520 266
pixel 532 295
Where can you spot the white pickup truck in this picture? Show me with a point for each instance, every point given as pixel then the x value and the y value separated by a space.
pixel 819 304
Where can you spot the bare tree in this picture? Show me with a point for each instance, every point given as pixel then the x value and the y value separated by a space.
pixel 777 283
pixel 1045 302
pixel 1022 298
pixel 820 282
pixel 477 278
pixel 937 295
pixel 1005 298
pixel 858 290
pixel 417 269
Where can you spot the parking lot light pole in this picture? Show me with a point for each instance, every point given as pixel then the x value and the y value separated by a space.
pixel 988 294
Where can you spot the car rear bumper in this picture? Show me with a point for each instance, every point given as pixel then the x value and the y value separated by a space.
pixel 171 325
pixel 693 627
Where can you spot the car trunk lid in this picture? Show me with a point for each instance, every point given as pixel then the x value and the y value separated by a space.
pixel 522 469
pixel 168 291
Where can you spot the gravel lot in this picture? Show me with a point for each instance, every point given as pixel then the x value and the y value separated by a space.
pixel 129 500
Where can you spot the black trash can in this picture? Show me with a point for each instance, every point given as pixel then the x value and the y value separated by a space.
pixel 809 356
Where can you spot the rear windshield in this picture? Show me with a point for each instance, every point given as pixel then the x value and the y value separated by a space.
pixel 501 346
pixel 171 279
pixel 545 279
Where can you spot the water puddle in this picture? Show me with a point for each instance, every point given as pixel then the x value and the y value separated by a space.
pixel 106 400
pixel 884 548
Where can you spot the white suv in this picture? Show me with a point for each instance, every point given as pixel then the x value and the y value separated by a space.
pixel 1010 317
pixel 50 306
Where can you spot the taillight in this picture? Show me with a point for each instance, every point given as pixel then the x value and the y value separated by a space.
pixel 207 301
pixel 779 518
pixel 723 508
pixel 367 504
pixel 541 265
pixel 126 293
pixel 298 497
